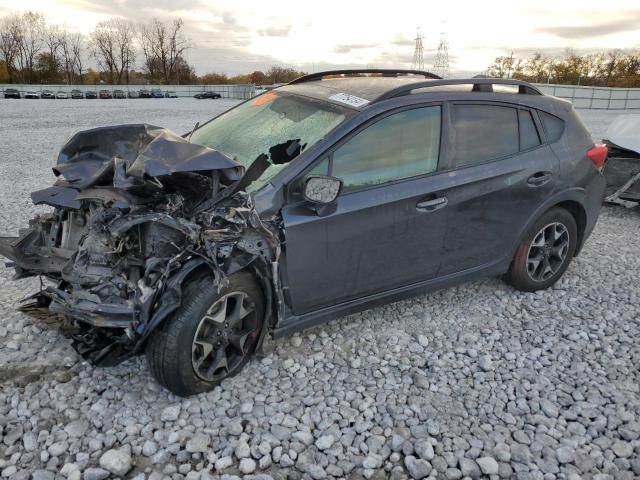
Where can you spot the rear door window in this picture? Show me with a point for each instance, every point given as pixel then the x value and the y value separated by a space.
pixel 483 133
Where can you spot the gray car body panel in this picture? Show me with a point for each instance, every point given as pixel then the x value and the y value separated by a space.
pixel 576 183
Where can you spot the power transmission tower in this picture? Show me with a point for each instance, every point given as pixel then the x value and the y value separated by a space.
pixel 441 65
pixel 418 53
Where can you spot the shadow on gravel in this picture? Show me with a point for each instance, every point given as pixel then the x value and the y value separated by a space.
pixel 23 376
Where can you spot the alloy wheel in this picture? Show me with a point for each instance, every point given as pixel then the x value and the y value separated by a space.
pixel 224 337
pixel 548 252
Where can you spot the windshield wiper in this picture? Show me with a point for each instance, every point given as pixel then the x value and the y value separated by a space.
pixel 194 129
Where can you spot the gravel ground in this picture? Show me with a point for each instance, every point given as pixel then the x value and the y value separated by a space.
pixel 475 380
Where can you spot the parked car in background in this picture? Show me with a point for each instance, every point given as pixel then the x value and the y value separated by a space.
pixel 133 94
pixel 205 95
pixel 48 94
pixel 170 94
pixel 62 95
pixel 32 94
pixel 11 93
pixel 76 94
pixel 119 94
pixel 156 93
pixel 363 189
pixel 105 94
pixel 90 94
pixel 144 93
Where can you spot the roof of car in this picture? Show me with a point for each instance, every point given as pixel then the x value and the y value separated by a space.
pixel 368 88
pixel 358 89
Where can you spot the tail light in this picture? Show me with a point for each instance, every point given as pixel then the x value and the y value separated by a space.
pixel 598 155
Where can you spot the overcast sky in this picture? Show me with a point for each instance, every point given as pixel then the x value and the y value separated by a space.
pixel 246 35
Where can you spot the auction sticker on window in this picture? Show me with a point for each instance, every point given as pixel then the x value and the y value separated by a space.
pixel 347 99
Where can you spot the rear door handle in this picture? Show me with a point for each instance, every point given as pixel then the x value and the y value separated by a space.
pixel 432 204
pixel 538 179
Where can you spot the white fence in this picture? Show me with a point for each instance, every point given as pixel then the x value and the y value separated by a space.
pixel 599 98
pixel 603 98
pixel 241 92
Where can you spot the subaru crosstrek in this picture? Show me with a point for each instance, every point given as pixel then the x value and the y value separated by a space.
pixel 337 192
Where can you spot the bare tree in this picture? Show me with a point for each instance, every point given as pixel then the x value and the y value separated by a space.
pixel 71 47
pixel 32 26
pixel 77 47
pixel 113 48
pixel 10 38
pixel 163 46
pixel 103 48
pixel 49 59
pixel 125 38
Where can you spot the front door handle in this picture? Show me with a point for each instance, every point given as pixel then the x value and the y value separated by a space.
pixel 431 204
pixel 538 179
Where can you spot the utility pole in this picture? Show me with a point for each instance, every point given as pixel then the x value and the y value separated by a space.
pixel 441 66
pixel 418 53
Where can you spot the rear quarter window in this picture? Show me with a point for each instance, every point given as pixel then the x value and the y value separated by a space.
pixel 553 126
pixel 529 137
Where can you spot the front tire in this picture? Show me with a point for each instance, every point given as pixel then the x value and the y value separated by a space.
pixel 210 337
pixel 545 253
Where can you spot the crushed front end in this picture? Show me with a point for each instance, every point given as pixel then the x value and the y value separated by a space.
pixel 136 209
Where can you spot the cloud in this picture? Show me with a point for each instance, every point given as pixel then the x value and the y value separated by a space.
pixel 275 31
pixel 348 48
pixel 404 42
pixel 628 23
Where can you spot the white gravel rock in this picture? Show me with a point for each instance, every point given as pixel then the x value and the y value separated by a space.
pixel 95 474
pixel 488 465
pixel 223 463
pixel 247 465
pixel 117 462
pixel 424 449
pixel 242 450
pixel 325 442
pixel 416 467
pixel 77 428
pixel 170 413
pixel 198 443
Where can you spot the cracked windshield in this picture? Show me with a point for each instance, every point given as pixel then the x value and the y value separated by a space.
pixel 266 124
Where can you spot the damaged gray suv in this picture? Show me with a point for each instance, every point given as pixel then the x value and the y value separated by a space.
pixel 337 192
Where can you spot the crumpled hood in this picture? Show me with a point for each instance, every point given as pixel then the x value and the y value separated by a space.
pixel 109 155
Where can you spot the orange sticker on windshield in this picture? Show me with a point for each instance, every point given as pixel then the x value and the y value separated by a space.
pixel 264 98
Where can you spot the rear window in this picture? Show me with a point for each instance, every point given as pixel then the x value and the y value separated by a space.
pixel 553 126
pixel 484 132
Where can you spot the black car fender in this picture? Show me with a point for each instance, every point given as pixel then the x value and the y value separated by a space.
pixel 171 297
pixel 575 196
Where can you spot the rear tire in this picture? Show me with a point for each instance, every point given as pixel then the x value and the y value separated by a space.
pixel 545 253
pixel 210 337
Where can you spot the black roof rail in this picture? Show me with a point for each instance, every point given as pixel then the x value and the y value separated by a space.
pixel 479 85
pixel 379 71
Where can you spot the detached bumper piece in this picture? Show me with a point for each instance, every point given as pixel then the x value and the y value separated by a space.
pixel 102 348
pixel 91 313
pixel 27 256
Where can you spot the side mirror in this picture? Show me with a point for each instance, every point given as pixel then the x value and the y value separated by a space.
pixel 322 190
